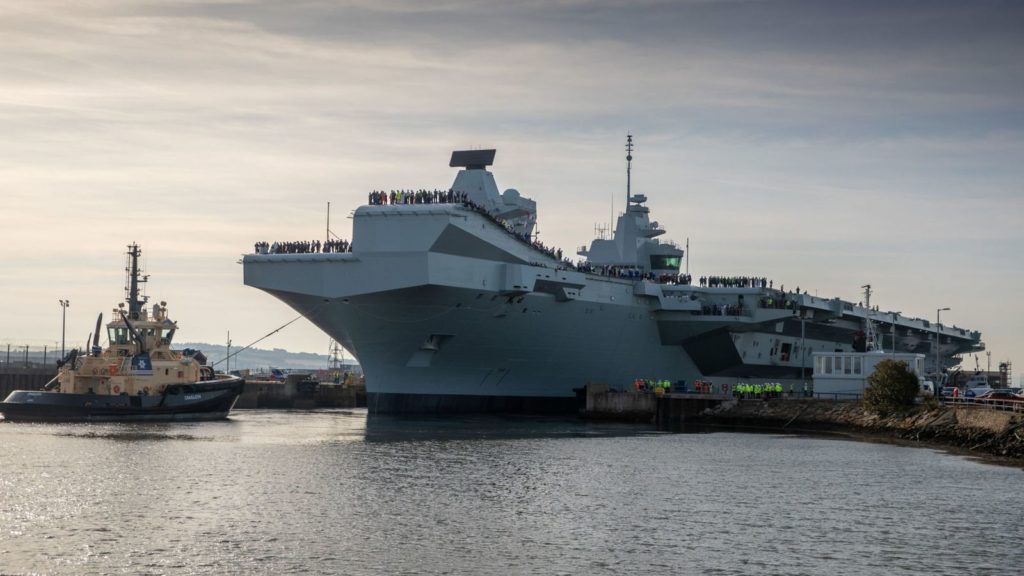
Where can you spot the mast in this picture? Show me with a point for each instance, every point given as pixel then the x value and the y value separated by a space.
pixel 686 255
pixel 337 355
pixel 135 278
pixel 629 166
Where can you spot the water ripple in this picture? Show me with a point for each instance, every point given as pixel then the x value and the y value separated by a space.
pixel 330 492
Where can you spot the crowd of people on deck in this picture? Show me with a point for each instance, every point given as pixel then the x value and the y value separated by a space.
pixel 450 196
pixel 555 253
pixel 382 198
pixel 400 197
pixel 735 282
pixel 304 247
pixel 627 272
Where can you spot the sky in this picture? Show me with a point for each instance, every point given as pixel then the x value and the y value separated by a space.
pixel 823 144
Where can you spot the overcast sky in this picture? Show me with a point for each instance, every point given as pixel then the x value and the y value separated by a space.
pixel 823 144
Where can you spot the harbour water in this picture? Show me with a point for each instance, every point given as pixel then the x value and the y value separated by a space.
pixel 333 492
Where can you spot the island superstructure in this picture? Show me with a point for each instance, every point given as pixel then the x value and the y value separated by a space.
pixel 450 304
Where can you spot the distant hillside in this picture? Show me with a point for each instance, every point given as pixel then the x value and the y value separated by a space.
pixel 260 359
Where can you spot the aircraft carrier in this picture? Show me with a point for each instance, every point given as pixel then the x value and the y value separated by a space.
pixel 450 304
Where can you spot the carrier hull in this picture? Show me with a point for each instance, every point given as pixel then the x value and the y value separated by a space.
pixel 430 342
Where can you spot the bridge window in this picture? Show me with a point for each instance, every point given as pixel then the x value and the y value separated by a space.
pixel 663 262
pixel 117 335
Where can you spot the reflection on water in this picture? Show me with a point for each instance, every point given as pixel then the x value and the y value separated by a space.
pixel 383 428
pixel 334 492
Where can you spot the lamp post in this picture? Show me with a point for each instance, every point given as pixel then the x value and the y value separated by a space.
pixel 803 351
pixel 938 371
pixel 895 317
pixel 63 317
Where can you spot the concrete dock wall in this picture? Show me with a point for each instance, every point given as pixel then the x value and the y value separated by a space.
pixel 295 395
pixel 24 379
pixel 665 410
pixel 604 404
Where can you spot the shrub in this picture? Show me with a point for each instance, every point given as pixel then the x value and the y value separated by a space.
pixel 891 387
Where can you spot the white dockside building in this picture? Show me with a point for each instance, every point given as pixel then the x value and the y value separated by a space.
pixel 848 372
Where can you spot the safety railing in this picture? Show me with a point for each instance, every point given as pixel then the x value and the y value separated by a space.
pixel 837 396
pixel 991 404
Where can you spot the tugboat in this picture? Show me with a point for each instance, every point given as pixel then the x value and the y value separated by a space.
pixel 136 378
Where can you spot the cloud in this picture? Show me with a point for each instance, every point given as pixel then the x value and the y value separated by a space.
pixel 809 141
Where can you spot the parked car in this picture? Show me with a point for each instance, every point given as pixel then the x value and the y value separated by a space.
pixel 1001 395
